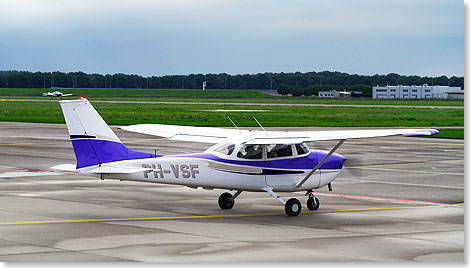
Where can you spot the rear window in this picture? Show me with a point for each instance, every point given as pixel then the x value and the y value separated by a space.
pixel 279 150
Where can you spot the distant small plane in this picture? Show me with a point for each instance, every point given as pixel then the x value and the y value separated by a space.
pixel 56 94
pixel 241 160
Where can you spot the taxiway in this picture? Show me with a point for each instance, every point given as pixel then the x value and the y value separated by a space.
pixel 398 199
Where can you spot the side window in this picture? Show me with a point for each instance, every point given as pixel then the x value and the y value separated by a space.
pixel 301 148
pixel 251 152
pixel 279 150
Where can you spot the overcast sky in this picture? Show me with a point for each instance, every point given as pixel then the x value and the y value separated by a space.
pixel 422 37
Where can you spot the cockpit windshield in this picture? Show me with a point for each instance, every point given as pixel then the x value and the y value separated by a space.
pixel 226 148
pixel 301 148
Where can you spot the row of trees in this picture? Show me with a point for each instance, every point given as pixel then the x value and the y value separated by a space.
pixel 312 90
pixel 21 79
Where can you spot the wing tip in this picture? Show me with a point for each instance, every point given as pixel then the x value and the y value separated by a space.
pixel 424 132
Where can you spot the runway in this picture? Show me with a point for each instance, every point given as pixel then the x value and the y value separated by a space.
pixel 398 199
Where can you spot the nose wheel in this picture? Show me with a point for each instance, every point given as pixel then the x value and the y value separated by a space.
pixel 313 203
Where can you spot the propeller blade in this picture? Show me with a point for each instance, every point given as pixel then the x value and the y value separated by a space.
pixel 353 166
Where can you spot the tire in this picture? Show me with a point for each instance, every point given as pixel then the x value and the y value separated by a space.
pixel 313 203
pixel 293 207
pixel 224 201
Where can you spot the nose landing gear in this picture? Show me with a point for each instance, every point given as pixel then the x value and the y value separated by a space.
pixel 313 203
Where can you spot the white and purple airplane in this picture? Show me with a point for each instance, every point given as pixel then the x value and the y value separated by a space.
pixel 55 94
pixel 241 160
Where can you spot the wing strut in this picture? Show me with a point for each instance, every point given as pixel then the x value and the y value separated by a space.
pixel 319 164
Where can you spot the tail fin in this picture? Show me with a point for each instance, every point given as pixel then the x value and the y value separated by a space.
pixel 93 141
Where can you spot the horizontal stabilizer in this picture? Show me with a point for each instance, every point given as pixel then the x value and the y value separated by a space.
pixel 65 167
pixel 118 170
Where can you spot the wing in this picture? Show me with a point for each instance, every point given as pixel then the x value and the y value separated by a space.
pixel 66 95
pixel 188 133
pixel 218 135
pixel 306 136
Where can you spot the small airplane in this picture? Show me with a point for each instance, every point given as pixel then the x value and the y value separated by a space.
pixel 240 160
pixel 55 94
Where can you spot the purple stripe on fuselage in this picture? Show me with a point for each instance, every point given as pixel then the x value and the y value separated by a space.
pixel 88 151
pixel 305 162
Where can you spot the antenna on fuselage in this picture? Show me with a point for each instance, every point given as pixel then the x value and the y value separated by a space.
pixel 234 124
pixel 260 125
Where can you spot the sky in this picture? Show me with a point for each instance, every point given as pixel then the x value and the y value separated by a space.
pixel 160 37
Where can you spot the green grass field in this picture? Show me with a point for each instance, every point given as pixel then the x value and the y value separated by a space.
pixel 188 114
pixel 449 134
pixel 277 116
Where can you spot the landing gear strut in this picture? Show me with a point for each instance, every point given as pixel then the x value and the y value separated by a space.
pixel 292 207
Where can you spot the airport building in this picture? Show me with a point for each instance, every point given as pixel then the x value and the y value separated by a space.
pixel 334 94
pixel 417 92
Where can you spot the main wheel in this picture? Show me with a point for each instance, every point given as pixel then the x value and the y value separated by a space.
pixel 313 203
pixel 225 201
pixel 293 207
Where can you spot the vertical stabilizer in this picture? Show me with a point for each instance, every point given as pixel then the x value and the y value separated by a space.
pixel 94 143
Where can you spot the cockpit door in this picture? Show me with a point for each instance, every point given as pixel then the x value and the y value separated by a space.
pixel 280 167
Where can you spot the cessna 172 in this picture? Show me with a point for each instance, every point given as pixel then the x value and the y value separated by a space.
pixel 55 94
pixel 241 160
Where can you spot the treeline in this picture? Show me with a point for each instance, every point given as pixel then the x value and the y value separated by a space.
pixel 323 80
pixel 312 90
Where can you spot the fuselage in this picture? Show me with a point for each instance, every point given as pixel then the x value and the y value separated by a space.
pixel 213 169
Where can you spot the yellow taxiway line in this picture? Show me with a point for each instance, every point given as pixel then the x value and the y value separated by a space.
pixel 223 216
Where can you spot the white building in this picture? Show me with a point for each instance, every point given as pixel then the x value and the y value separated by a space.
pixel 334 94
pixel 328 94
pixel 416 92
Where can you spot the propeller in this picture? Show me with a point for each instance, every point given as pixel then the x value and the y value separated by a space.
pixel 352 166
